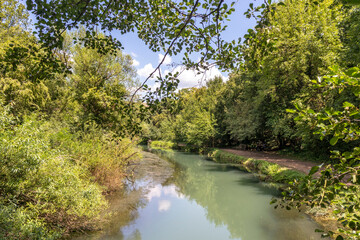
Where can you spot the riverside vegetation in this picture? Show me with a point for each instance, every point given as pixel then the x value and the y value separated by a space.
pixel 69 122
pixel 60 147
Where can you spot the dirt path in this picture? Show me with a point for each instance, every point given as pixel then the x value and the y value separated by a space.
pixel 299 165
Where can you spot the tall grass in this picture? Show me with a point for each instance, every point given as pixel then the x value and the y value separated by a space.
pixel 52 179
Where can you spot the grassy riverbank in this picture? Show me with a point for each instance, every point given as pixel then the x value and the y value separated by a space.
pixel 54 179
pixel 268 171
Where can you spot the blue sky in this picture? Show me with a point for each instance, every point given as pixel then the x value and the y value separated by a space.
pixel 146 60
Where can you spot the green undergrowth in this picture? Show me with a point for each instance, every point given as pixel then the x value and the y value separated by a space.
pixel 53 179
pixel 162 144
pixel 177 146
pixel 305 155
pixel 272 171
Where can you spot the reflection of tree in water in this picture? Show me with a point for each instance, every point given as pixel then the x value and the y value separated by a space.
pixel 136 235
pixel 202 187
pixel 226 203
pixel 196 182
pixel 123 211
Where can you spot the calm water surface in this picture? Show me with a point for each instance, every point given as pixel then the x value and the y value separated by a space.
pixel 209 201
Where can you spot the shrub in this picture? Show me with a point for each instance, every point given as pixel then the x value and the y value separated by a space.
pixel 19 223
pixel 50 176
pixel 224 157
pixel 42 189
pixel 161 144
pixel 104 155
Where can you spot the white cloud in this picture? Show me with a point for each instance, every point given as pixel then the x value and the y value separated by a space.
pixel 167 60
pixel 133 54
pixel 188 78
pixel 135 63
pixel 164 205
pixel 154 192
pixel 171 191
pixel 154 86
pixel 146 70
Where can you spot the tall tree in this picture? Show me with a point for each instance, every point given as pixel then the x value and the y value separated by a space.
pixel 293 44
pixel 101 84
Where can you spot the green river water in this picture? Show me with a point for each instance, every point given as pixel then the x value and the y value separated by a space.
pixel 203 200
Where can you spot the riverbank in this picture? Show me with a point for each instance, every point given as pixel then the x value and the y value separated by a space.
pixel 124 205
pixel 268 167
pixel 278 169
pixel 281 160
pixel 268 171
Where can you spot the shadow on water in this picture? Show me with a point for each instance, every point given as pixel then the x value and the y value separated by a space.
pixel 220 168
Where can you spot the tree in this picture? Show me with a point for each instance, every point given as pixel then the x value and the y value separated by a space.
pixel 14 19
pixel 338 185
pixel 292 44
pixel 101 84
pixel 23 65
pixel 350 37
pixel 170 26
pixel 195 124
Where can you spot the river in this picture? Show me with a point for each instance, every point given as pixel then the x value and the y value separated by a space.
pixel 201 200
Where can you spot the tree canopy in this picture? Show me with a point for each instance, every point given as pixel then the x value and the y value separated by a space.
pixel 67 100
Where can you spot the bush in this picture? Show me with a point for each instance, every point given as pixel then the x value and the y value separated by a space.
pixel 224 157
pixel 50 176
pixel 19 223
pixel 41 188
pixel 161 144
pixel 104 155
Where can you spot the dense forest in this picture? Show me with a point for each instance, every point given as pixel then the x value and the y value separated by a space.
pixel 70 122
pixel 283 60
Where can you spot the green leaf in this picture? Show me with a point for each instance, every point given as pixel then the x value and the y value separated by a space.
pixel 350 72
pixel 291 110
pixel 348 105
pixel 351 2
pixel 334 140
pixel 314 170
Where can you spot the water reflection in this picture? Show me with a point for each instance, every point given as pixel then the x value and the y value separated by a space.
pixel 205 200
pixel 238 201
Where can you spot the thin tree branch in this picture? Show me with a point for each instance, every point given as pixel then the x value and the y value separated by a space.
pixel 167 52
pixel 217 9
